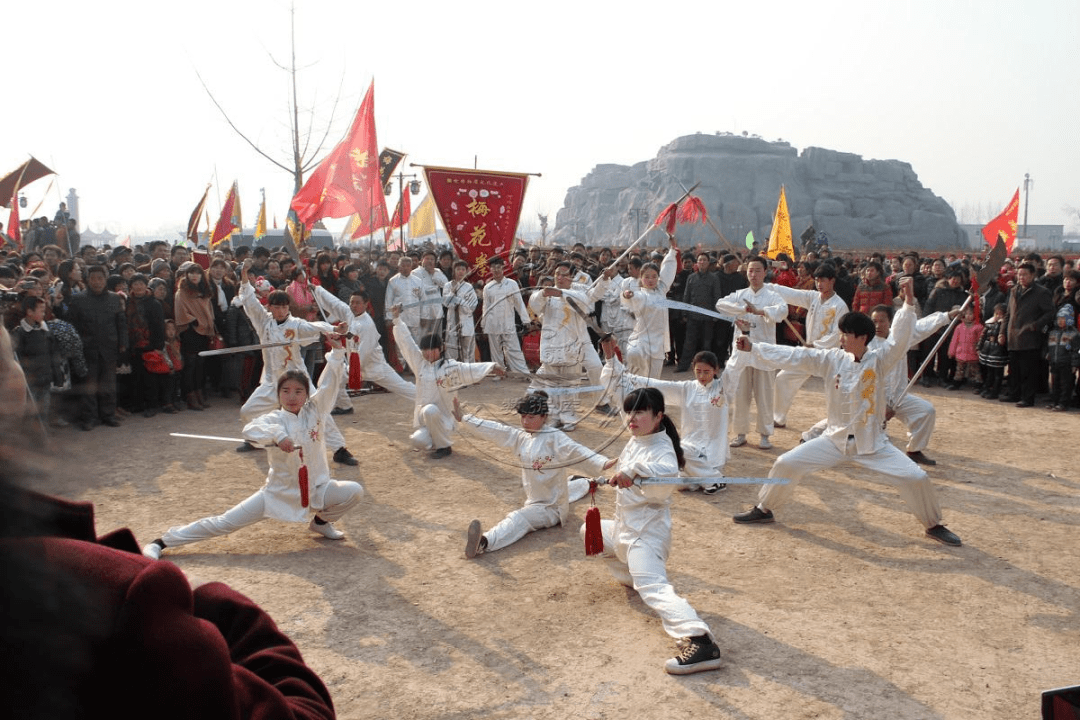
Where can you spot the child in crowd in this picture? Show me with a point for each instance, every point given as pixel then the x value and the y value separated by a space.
pixel 638 540
pixel 993 356
pixel 437 381
pixel 38 354
pixel 543 453
pixel 964 349
pixel 1063 357
pixel 298 485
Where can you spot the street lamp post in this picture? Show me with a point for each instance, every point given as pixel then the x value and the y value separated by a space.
pixel 636 213
pixel 414 188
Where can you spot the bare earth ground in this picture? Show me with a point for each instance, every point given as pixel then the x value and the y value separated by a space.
pixel 842 609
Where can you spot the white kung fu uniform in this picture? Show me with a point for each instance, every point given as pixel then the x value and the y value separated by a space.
pixel 544 456
pixel 638 541
pixel 753 382
pixel 277 360
pixel 460 301
pixel 565 347
pixel 501 301
pixel 822 332
pixel 280 497
pixel 365 345
pixel 703 414
pixel 917 414
pixel 407 292
pixel 431 312
pixel 436 387
pixel 620 319
pixel 855 398
pixel 650 339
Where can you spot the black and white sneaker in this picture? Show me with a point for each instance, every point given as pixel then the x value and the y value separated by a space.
pixel 754 515
pixel 713 488
pixel 698 654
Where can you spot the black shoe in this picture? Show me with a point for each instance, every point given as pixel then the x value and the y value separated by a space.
pixel 440 453
pixel 149 412
pixel 111 421
pixel 954 386
pixel 1025 403
pixel 606 409
pixel 991 396
pixel 928 382
pixel 1008 398
pixel 943 535
pixel 342 456
pixel 713 488
pixel 918 457
pixel 754 515
pixel 698 654
pixel 342 411
pixel 246 447
pixel 474 541
pixel 86 425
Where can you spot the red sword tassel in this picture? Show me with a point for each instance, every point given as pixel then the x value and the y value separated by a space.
pixel 303 476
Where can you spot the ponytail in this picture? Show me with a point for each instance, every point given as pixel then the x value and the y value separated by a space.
pixel 673 434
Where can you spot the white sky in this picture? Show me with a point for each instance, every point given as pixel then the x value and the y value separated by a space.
pixel 972 94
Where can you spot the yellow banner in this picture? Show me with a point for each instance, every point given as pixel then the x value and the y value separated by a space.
pixel 780 235
pixel 422 222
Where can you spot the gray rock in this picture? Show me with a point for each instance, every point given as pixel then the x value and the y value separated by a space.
pixel 866 204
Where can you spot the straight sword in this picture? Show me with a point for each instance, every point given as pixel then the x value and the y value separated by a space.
pixel 208 437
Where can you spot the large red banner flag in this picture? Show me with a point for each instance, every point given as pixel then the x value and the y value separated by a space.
pixel 344 181
pixel 479 209
pixel 14 226
pixel 229 219
pixel 1004 224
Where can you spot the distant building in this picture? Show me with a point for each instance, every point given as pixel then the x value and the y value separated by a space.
pixel 89 237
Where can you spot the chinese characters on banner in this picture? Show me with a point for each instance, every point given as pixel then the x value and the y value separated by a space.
pixel 480 211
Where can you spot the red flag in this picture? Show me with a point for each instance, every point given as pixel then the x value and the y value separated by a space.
pixel 344 182
pixel 14 231
pixel 479 210
pixel 1005 224
pixel 227 222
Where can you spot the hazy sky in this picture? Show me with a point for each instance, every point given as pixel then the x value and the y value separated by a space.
pixel 972 94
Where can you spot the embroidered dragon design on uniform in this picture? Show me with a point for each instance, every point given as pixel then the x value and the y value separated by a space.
pixel 827 319
pixel 868 382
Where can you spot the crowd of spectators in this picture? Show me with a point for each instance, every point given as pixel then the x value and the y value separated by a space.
pixel 108 333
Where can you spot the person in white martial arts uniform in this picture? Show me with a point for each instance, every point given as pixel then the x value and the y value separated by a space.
pixel 638 541
pixel 620 321
pixel 565 346
pixel 437 381
pixel 432 282
pixel 544 454
pixel 460 301
pixel 650 340
pixel 757 309
pixel 824 310
pixel 275 324
pixel 917 414
pixel 856 385
pixel 502 298
pixel 363 344
pixel 405 289
pixel 703 405
pixel 298 487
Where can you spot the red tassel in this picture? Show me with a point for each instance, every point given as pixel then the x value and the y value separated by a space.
pixel 668 217
pixel 303 482
pixel 594 536
pixel 356 372
pixel 692 211
pixel 975 296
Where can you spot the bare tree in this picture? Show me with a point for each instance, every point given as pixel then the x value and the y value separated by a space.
pixel 304 156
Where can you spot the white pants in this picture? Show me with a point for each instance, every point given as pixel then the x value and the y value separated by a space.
pixel 461 347
pixel 919 416
pixel 506 350
pixel 384 376
pixel 756 384
pixel 434 431
pixel 820 453
pixel 788 383
pixel 640 363
pixel 520 523
pixel 569 407
pixel 264 399
pixel 645 571
pixel 340 497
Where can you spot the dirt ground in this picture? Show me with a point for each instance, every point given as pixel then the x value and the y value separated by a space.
pixel 842 609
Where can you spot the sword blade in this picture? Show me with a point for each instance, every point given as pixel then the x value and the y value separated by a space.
pixel 244 348
pixel 208 437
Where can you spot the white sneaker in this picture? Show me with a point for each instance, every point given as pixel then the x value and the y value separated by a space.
pixel 152 551
pixel 327 530
pixel 739 441
pixel 765 444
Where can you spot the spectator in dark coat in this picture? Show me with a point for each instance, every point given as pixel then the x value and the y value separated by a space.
pixel 98 316
pixel 1027 318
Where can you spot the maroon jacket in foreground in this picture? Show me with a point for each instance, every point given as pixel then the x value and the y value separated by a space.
pixel 94 629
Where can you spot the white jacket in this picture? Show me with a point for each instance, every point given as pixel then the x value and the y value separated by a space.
pixel 501 301
pixel 459 299
pixel 297 332
pixel 645 512
pixel 822 318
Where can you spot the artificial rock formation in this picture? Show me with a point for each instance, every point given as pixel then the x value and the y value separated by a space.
pixel 866 204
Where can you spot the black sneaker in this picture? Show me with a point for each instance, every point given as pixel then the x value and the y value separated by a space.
pixel 606 409
pixel 754 515
pixel 342 411
pixel 944 535
pixel 713 488
pixel 246 447
pixel 698 654
pixel 440 453
pixel 920 458
pixel 342 456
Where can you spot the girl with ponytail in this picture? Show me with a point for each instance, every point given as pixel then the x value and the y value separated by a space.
pixel 638 540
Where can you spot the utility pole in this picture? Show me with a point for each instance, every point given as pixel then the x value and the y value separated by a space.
pixel 1027 196
pixel 636 213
